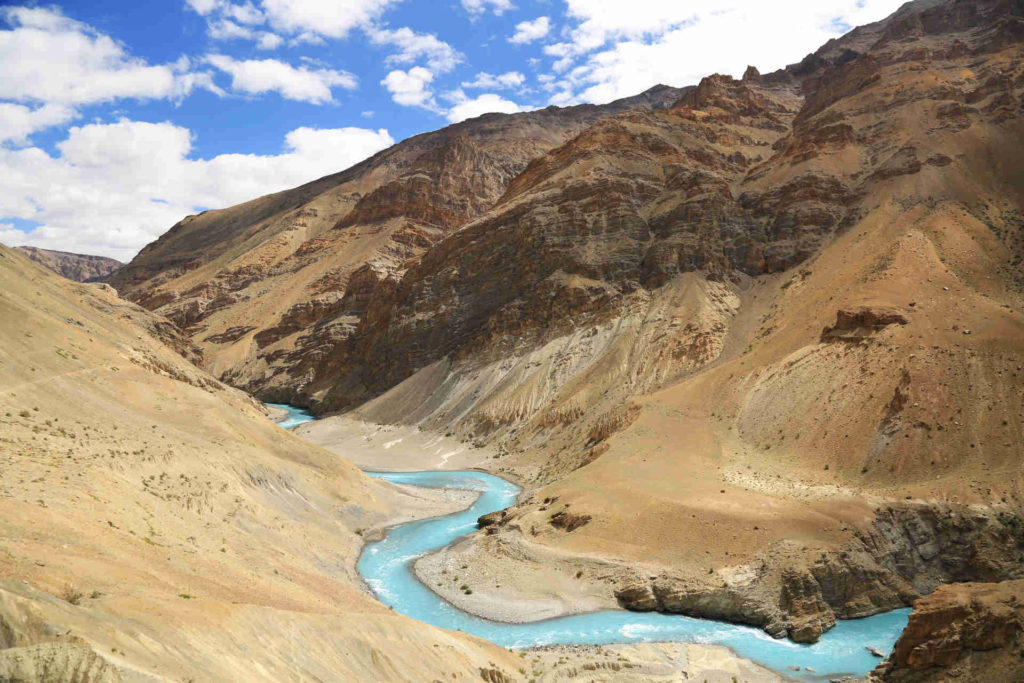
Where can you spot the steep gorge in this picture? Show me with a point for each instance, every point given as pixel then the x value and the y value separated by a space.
pixel 765 337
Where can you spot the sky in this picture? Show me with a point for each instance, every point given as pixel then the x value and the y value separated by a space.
pixel 118 118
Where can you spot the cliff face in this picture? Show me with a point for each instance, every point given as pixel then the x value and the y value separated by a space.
pixel 766 338
pixel 262 286
pixel 77 267
pixel 969 632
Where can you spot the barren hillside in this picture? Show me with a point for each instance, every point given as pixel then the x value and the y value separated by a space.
pixel 756 354
pixel 164 528
pixel 77 267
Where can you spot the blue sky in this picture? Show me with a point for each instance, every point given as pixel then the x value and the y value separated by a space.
pixel 118 118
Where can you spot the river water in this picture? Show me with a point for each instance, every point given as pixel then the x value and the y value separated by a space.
pixel 386 566
pixel 295 416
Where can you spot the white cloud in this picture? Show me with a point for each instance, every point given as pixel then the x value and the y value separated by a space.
pixel 228 21
pixel 11 236
pixel 529 31
pixel 328 18
pixel 476 7
pixel 509 79
pixel 203 7
pixel 411 88
pixel 439 55
pixel 302 84
pixel 18 122
pixel 226 29
pixel 50 58
pixel 486 103
pixel 245 14
pixel 679 43
pixel 115 187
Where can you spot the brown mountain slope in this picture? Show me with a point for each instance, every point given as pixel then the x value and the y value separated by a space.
pixel 156 525
pixel 249 282
pixel 770 486
pixel 77 267
pixel 637 326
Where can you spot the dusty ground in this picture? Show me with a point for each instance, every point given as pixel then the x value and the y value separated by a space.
pixel 385 448
pixel 156 525
pixel 646 662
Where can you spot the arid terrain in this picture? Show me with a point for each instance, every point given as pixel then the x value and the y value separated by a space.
pixel 77 267
pixel 155 525
pixel 754 349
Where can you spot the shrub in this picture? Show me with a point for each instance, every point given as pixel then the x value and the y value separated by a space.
pixel 71 595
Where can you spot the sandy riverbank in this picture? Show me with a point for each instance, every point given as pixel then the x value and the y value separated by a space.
pixel 392 447
pixel 512 587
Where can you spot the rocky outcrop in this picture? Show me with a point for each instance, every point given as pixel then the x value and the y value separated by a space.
pixel 854 324
pixel 77 267
pixel 969 632
pixel 568 521
pixel 908 551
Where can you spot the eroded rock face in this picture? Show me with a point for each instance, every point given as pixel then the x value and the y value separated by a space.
pixel 857 323
pixel 969 631
pixel 77 267
pixel 278 264
pixel 63 662
pixel 908 551
pixel 584 232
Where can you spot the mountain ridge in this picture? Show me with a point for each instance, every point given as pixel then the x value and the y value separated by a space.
pixel 77 267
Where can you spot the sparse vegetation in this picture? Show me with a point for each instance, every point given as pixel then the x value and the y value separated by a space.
pixel 71 595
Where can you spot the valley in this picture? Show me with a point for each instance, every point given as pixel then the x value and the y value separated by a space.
pixel 719 382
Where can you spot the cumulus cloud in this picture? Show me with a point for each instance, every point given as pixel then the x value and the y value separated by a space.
pixel 302 84
pixel 440 56
pixel 477 7
pixel 18 122
pixel 112 188
pixel 509 79
pixel 50 58
pixel 305 22
pixel 328 18
pixel 467 108
pixel 226 29
pixel 529 31
pixel 411 88
pixel 625 48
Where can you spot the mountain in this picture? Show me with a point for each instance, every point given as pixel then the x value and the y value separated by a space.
pixel 156 525
pixel 754 348
pixel 249 281
pixel 77 267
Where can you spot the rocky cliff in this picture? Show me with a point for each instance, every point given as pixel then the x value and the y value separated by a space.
pixel 966 632
pixel 764 335
pixel 77 267
pixel 285 279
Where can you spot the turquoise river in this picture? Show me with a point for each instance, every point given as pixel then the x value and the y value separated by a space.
pixel 386 566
